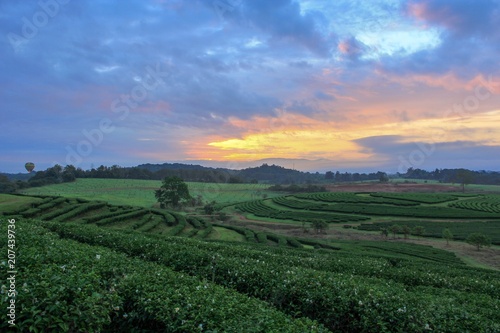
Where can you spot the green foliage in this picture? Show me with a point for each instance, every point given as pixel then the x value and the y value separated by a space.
pixel 67 286
pixel 487 203
pixel 395 229
pixel 345 197
pixel 478 240
pixel 173 191
pixel 435 229
pixel 351 293
pixel 7 186
pixel 209 208
pixel 320 226
pixel 380 204
pixel 448 235
pixel 426 198
pixel 418 230
pixel 221 216
pixel 260 208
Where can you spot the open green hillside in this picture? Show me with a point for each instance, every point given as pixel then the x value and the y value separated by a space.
pixel 141 192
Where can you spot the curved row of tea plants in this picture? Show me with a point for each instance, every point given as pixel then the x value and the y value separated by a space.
pixel 133 218
pixel 345 197
pixel 426 198
pixel 412 211
pixel 259 208
pixel 67 286
pixel 490 204
pixel 446 299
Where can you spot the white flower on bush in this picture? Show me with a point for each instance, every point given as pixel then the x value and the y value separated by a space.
pixel 98 256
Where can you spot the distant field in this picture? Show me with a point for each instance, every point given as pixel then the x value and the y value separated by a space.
pixel 141 192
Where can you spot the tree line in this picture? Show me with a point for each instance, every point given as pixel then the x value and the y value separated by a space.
pixel 461 176
pixel 269 174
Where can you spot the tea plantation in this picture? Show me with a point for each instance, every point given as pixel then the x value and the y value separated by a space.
pixel 88 266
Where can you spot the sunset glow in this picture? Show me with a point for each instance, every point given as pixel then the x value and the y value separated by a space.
pixel 349 84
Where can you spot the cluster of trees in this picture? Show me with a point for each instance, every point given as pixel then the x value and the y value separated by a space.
pixel 405 230
pixel 54 175
pixel 475 239
pixel 461 176
pixel 356 176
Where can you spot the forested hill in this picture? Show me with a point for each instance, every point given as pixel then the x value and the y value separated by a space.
pixel 455 176
pixel 271 174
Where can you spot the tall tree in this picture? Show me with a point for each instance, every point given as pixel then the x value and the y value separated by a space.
pixel 447 235
pixel 464 177
pixel 172 192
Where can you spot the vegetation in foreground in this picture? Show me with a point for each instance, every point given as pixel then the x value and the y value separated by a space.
pixel 179 284
pixel 373 286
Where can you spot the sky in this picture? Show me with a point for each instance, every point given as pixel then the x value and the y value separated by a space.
pixel 315 85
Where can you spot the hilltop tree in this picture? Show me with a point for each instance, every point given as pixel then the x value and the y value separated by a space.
pixel 479 240
pixel 447 235
pixel 173 191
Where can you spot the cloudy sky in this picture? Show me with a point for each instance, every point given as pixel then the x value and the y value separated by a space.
pixel 323 85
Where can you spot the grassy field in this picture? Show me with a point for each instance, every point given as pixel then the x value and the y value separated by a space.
pixel 141 192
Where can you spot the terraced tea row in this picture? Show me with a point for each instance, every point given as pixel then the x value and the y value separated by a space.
pixel 347 294
pixel 309 208
pixel 142 220
pixel 68 286
pixel 342 197
pixel 259 208
pixel 490 204
pixel 426 198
